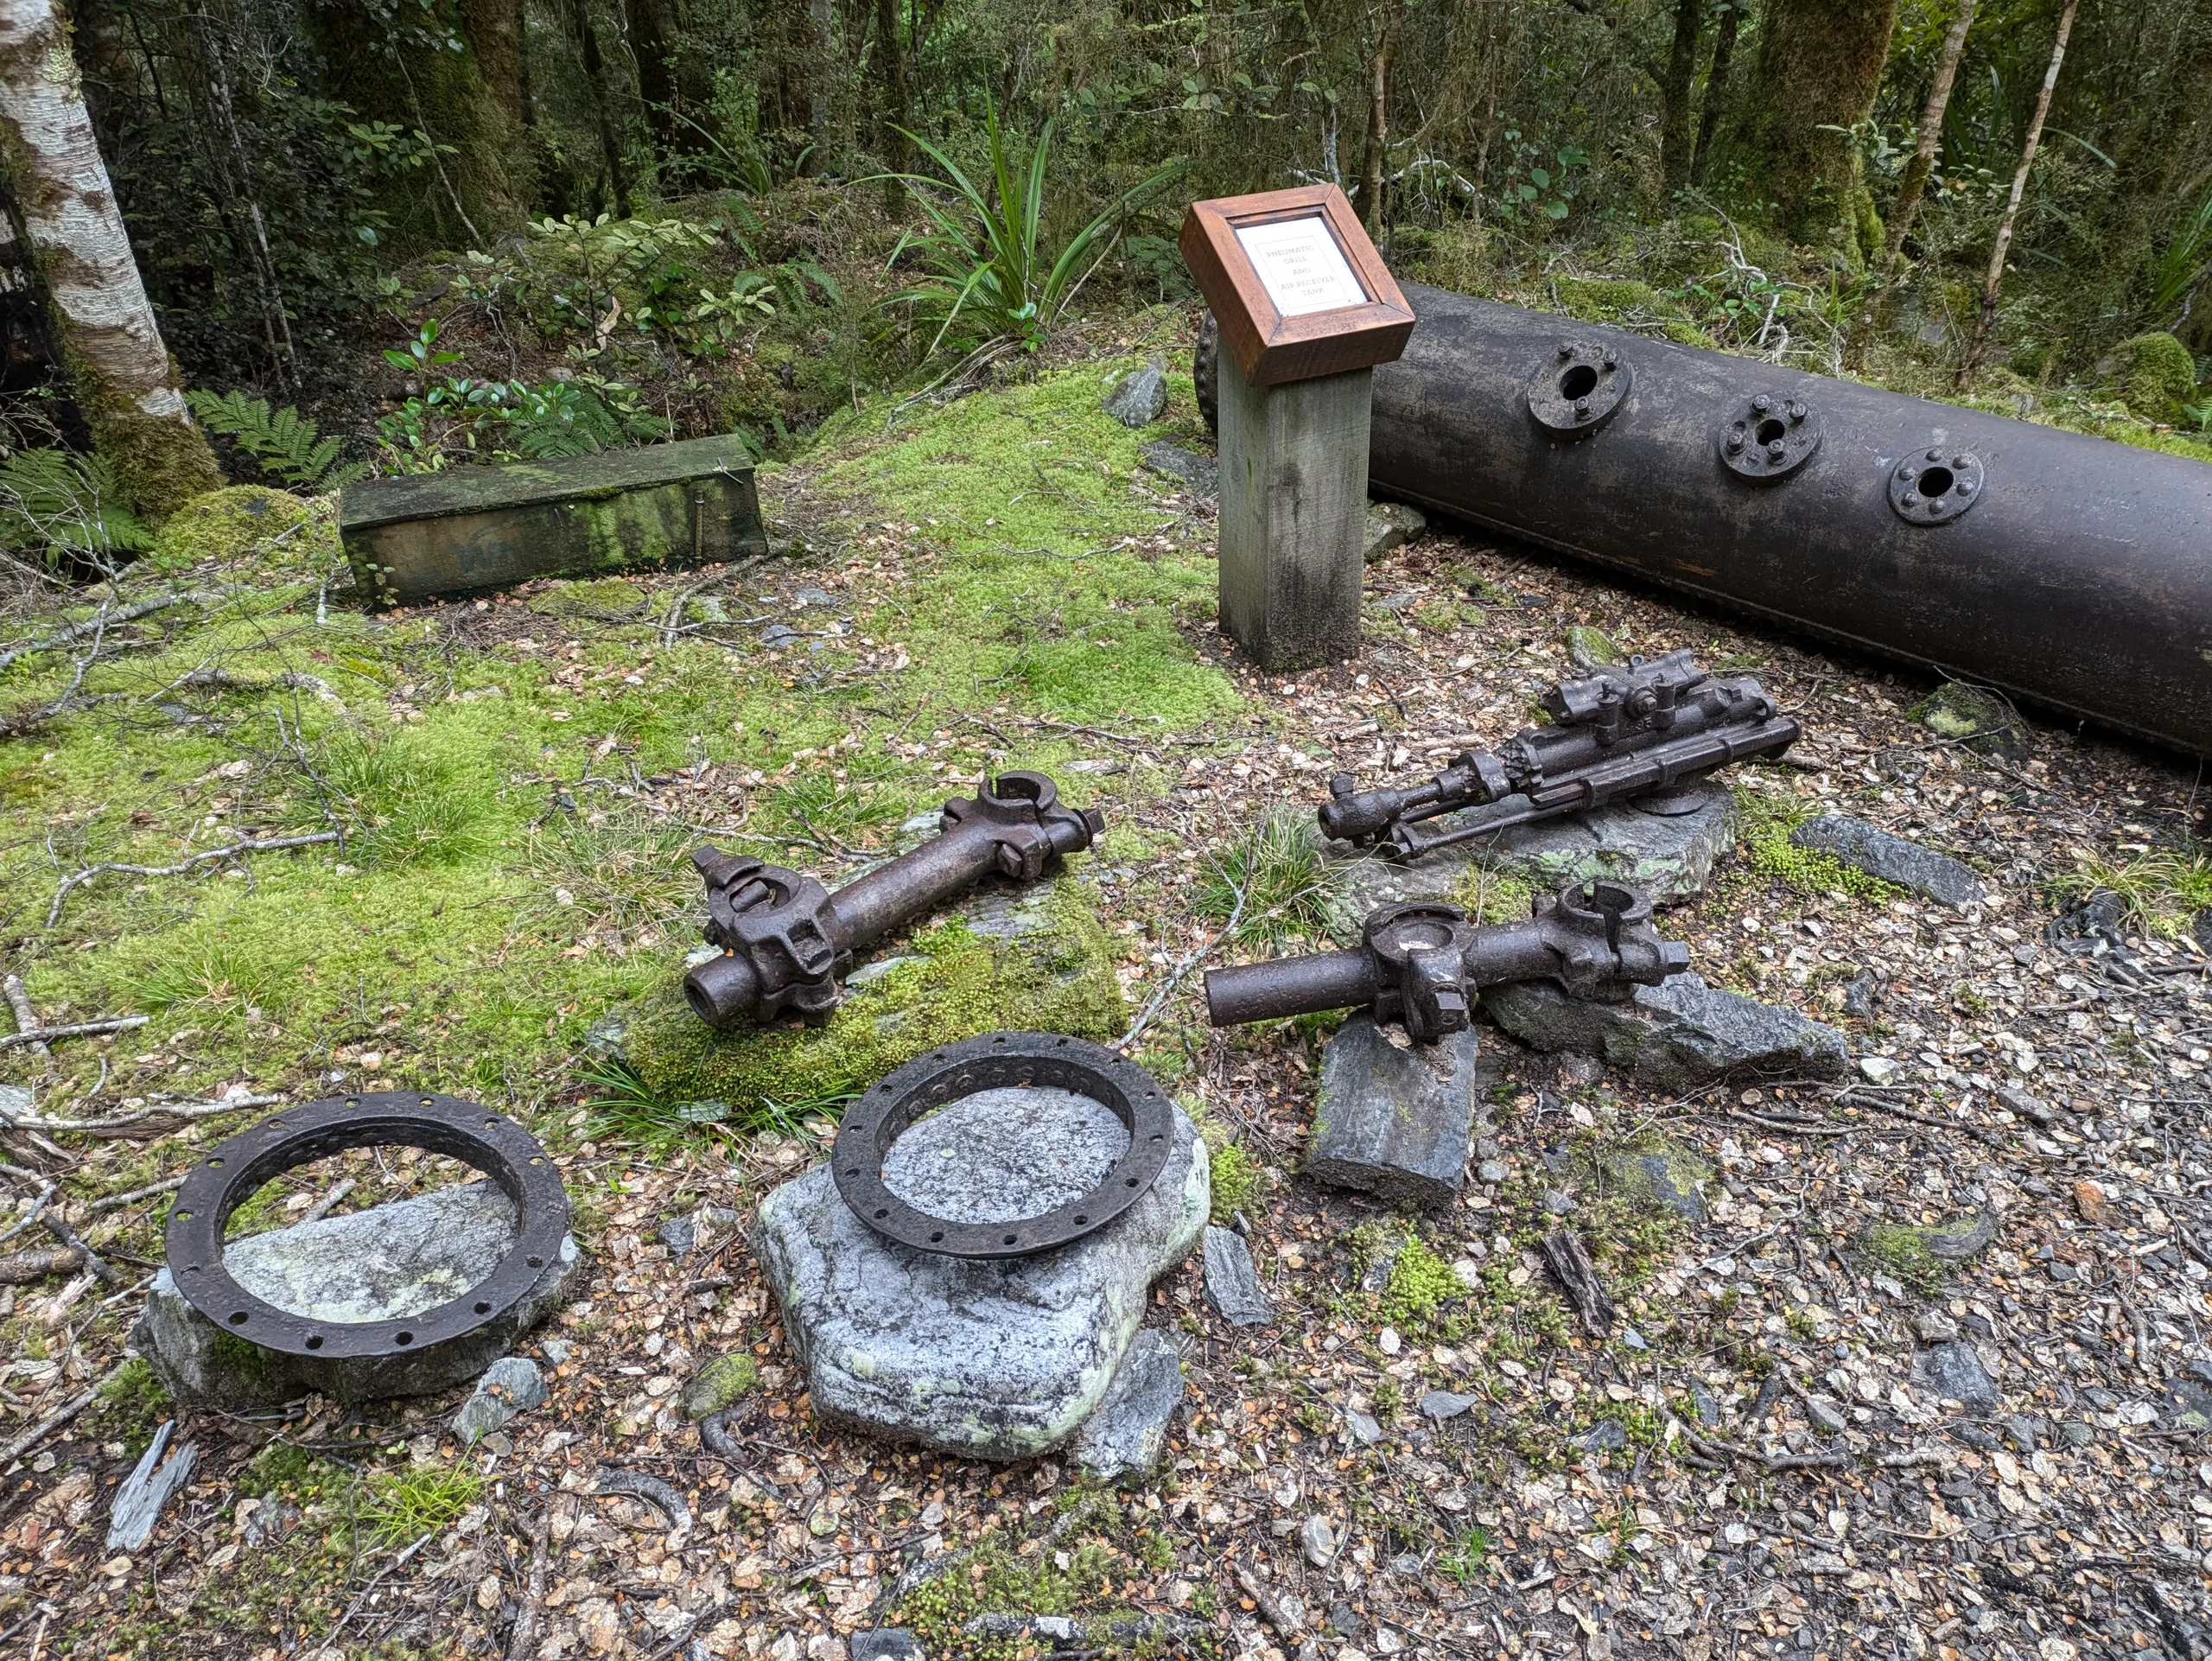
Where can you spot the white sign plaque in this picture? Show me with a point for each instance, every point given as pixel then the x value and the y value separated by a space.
pixel 1299 263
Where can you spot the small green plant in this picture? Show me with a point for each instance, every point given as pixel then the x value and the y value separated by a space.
pixel 1767 823
pixel 986 257
pixel 2161 891
pixel 428 1500
pixel 1801 1325
pixel 1420 1283
pixel 1463 1561
pixel 623 1108
pixel 1271 885
pixel 411 808
pixel 57 505
pixel 1903 1254
pixel 131 1408
pixel 1236 1177
pixel 284 444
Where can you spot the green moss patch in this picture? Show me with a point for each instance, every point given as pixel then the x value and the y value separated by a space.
pixel 1766 822
pixel 1902 1253
pixel 1236 1177
pixel 227 524
pixel 1052 972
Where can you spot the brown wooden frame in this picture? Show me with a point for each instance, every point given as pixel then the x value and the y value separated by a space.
pixel 1269 347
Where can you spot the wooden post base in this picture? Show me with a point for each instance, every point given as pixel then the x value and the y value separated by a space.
pixel 1293 516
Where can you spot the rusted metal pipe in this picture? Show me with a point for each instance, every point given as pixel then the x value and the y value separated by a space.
pixel 1420 963
pixel 2066 569
pixel 1640 731
pixel 787 942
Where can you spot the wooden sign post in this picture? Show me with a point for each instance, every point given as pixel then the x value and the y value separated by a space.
pixel 1307 309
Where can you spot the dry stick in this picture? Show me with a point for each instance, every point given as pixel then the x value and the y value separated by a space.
pixel 116 1201
pixel 22 1268
pixel 250 845
pixel 1848 1096
pixel 185 1110
pixel 330 1640
pixel 26 1017
pixel 1995 280
pixel 1269 1607
pixel 77 632
pixel 99 1266
pixel 321 1209
pixel 75 1029
pixel 522 1643
pixel 53 1421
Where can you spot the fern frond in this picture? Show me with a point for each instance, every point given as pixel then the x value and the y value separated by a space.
pixel 57 502
pixel 284 443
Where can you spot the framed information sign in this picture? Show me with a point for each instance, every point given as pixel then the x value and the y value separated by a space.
pixel 1298 289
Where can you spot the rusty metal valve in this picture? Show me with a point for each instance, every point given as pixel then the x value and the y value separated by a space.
pixel 1420 963
pixel 787 942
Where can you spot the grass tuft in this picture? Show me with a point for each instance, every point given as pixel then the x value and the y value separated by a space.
pixel 2162 891
pixel 1279 872
pixel 426 1500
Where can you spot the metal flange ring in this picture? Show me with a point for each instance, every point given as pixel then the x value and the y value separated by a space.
pixel 1770 437
pixel 997 1061
pixel 1576 390
pixel 224 1179
pixel 1936 486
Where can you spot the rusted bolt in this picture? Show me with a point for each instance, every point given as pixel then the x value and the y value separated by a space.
pixel 1762 403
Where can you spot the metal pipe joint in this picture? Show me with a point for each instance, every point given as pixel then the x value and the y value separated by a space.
pixel 1419 963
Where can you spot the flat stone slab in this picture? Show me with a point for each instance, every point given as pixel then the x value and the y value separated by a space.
pixel 1232 1283
pixel 1199 474
pixel 1682 1034
pixel 1002 1359
pixel 1130 1430
pixel 1394 1122
pixel 1953 1372
pixel 378 1264
pixel 1892 859
pixel 1671 858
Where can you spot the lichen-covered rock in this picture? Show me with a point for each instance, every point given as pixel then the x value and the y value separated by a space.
pixel 1670 858
pixel 390 1260
pixel 1394 1122
pixel 1675 1036
pixel 723 1380
pixel 1392 525
pixel 223 524
pixel 1665 1174
pixel 511 1386
pixel 1953 1372
pixel 1891 859
pixel 1126 1434
pixel 1587 648
pixel 1033 960
pixel 1138 398
pixel 1979 720
pixel 1000 1359
pixel 2155 374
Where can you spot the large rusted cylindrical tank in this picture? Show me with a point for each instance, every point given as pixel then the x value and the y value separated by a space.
pixel 2070 570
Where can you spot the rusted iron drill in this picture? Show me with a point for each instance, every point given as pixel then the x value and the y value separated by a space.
pixel 787 942
pixel 1420 963
pixel 1641 731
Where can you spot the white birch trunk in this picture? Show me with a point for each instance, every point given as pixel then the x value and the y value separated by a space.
pixel 82 251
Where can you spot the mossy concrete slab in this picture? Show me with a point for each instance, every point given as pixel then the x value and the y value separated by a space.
pixel 1033 960
pixel 437 535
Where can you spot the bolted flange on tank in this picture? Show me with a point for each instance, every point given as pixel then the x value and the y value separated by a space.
pixel 2070 570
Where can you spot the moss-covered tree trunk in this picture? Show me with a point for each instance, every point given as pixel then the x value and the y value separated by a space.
pixel 1819 67
pixel 109 337
pixel 1676 135
pixel 649 46
pixel 1918 171
pixel 1716 85
pixel 1375 160
pixel 403 68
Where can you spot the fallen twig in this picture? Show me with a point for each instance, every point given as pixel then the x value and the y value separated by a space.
pixel 1570 1261
pixel 138 1502
pixel 99 1266
pixel 330 1639
pixel 1270 1609
pixel 522 1642
pixel 161 1115
pixel 231 850
pixel 106 620
pixel 76 1029
pixel 116 1201
pixel 53 1422
pixel 26 1017
pixel 22 1268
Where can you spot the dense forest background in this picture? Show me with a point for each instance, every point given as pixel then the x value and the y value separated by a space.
pixel 446 228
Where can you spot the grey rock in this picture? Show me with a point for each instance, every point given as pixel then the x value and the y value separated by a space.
pixel 1138 398
pixel 1126 1435
pixel 2076 1434
pixel 1344 1620
pixel 777 635
pixel 817 597
pixel 1493 1170
pixel 1376 1252
pixel 1232 1283
pixel 1392 525
pixel 2031 1108
pixel 680 1234
pixel 1861 996
pixel 1591 648
pixel 1558 1201
pixel 1317 1540
pixel 510 1386
pixel 1892 859
pixel 1394 1122
pixel 1983 721
pixel 390 1260
pixel 1671 1176
pixel 1441 1404
pixel 1954 1372
pixel 1670 858
pixel 16 1100
pixel 1701 1404
pixel 1199 474
pixel 989 1359
pixel 1674 1036
pixel 1606 1436
pixel 869 973
pixel 886 1644
pixel 1824 1414
pixel 1934 1327
pixel 999 1156
pixel 2023 1430
pixel 1365 1428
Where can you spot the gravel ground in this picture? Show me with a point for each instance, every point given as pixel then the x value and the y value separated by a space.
pixel 1781 1449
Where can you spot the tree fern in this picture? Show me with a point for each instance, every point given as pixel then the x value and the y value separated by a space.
pixel 284 443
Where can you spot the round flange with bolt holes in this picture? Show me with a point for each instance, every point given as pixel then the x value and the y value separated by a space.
pixel 1576 390
pixel 1770 437
pixel 998 1061
pixel 480 1136
pixel 1936 486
